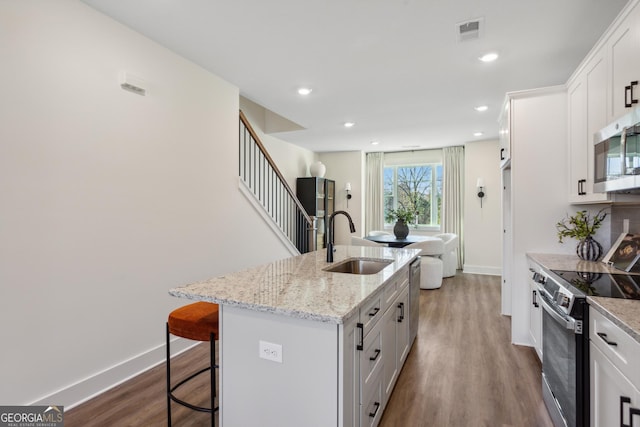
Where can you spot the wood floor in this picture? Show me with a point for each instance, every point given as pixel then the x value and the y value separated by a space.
pixel 462 371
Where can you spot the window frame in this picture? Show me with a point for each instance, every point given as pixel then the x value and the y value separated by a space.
pixel 433 206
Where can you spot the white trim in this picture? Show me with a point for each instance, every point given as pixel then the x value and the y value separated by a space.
pixel 90 387
pixel 244 189
pixel 479 269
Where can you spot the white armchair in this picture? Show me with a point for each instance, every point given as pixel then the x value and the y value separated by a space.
pixel 450 254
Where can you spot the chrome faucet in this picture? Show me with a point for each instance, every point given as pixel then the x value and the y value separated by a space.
pixel 331 232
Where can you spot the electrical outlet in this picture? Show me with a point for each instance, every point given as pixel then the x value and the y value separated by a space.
pixel 270 351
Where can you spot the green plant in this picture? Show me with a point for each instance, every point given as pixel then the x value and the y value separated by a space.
pixel 581 225
pixel 400 214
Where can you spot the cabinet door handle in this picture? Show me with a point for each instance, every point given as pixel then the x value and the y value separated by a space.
pixel 375 411
pixel 623 400
pixel 604 338
pixel 581 183
pixel 375 357
pixel 627 92
pixel 633 83
pixel 374 312
pixel 502 151
pixel 535 299
pixel 360 345
pixel 401 317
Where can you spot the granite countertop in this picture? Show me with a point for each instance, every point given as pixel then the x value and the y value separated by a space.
pixel 623 312
pixel 299 286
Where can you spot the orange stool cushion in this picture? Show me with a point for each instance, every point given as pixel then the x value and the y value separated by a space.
pixel 194 321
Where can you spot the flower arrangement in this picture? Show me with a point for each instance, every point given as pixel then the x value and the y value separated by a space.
pixel 581 225
pixel 400 214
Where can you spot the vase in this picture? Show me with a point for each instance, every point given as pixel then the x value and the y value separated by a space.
pixel 317 169
pixel 588 249
pixel 401 230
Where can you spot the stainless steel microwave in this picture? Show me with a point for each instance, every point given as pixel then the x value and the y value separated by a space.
pixel 617 156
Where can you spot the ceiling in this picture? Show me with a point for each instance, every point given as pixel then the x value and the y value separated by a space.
pixel 393 67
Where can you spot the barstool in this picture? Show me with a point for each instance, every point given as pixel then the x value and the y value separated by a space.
pixel 198 322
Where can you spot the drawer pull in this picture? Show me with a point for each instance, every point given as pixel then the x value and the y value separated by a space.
pixel 604 338
pixel 375 411
pixel 377 352
pixel 401 317
pixel 374 312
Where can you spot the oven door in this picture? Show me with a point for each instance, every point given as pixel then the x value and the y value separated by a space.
pixel 559 364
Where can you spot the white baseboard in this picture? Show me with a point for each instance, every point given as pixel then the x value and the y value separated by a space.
pixel 479 269
pixel 88 388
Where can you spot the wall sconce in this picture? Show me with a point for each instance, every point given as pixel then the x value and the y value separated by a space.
pixel 347 188
pixel 480 185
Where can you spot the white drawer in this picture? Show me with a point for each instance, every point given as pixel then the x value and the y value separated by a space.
pixel 393 288
pixel 371 406
pixel 371 312
pixel 619 347
pixel 371 357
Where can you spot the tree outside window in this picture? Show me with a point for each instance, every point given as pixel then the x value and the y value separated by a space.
pixel 417 188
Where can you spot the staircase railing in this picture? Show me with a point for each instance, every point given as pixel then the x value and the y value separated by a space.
pixel 264 180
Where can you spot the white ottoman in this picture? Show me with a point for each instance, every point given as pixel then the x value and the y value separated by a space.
pixel 430 272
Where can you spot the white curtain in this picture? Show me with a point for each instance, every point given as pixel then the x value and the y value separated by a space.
pixel 453 195
pixel 374 205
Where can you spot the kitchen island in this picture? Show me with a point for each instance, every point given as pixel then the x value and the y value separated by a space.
pixel 301 346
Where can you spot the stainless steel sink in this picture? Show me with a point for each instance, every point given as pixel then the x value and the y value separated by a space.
pixel 359 266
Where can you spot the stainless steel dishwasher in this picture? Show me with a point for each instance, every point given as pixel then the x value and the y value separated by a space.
pixel 414 299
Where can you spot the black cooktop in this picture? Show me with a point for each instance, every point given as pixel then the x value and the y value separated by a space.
pixel 608 285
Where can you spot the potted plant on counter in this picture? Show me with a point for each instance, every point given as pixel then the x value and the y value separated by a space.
pixel 582 226
pixel 402 217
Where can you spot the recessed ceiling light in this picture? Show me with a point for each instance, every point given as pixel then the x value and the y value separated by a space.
pixel 481 108
pixel 375 142
pixel 489 57
pixel 348 124
pixel 478 134
pixel 305 91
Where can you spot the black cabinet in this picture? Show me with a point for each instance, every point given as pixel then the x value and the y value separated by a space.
pixel 317 198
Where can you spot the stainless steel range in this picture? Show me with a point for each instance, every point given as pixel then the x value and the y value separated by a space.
pixel 565 350
pixel 565 343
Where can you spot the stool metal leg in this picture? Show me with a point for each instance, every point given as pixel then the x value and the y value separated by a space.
pixel 170 389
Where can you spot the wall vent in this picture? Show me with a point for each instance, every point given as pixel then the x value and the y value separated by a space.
pixel 469 30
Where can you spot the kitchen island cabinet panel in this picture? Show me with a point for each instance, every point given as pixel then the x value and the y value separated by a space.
pixel 255 390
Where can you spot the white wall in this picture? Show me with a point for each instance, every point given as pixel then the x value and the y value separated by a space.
pixel 108 198
pixel 343 167
pixel 292 161
pixel 482 225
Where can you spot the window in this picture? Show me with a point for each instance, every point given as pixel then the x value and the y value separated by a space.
pixel 418 188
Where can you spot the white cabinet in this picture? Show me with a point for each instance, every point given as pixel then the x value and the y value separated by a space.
pixel 380 344
pixel 614 374
pixel 534 195
pixel 612 394
pixel 504 136
pixel 395 339
pixel 587 99
pixel 623 46
pixel 535 319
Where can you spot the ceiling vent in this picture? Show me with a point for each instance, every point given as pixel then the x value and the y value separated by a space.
pixel 469 30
